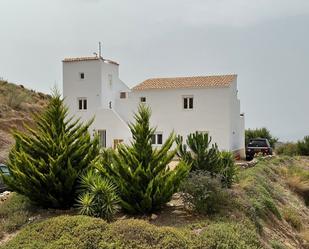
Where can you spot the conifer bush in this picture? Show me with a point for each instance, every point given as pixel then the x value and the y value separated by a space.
pixel 141 172
pixel 47 160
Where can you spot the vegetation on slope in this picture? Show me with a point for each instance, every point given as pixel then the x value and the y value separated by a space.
pixel 16 105
pixel 261 211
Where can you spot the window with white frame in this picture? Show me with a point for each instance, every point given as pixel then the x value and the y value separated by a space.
pixel 157 138
pixel 188 102
pixel 143 99
pixel 102 138
pixel 82 103
pixel 82 76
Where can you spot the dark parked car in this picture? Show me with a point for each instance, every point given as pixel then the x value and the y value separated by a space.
pixel 4 170
pixel 258 145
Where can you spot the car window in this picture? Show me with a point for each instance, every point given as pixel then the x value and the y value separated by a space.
pixel 258 143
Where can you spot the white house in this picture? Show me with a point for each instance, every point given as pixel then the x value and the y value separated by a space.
pixel 92 88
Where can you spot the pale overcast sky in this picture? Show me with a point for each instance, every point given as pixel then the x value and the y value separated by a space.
pixel 266 42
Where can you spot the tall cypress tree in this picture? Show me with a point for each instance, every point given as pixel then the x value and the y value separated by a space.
pixel 141 172
pixel 47 160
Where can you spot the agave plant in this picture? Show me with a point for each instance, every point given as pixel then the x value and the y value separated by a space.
pixel 99 196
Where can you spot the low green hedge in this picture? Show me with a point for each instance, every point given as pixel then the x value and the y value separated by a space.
pixel 84 232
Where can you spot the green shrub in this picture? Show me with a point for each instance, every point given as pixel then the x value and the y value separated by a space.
pixel 229 235
pixel 47 161
pixel 303 146
pixel 291 216
pixel 228 170
pixel 201 155
pixel 287 149
pixel 260 133
pixel 91 233
pixel 14 212
pixel 139 234
pixel 141 172
pixel 99 197
pixel 203 193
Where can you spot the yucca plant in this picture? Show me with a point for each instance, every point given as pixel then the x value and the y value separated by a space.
pixel 141 172
pixel 47 160
pixel 99 196
pixel 199 152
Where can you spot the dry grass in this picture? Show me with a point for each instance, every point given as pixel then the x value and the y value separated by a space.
pixel 305 236
pixel 300 186
pixel 16 105
pixel 292 217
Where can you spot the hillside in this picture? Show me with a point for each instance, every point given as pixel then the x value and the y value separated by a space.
pixel 266 208
pixel 16 105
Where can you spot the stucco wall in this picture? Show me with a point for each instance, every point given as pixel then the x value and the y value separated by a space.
pixel 90 87
pixel 216 110
pixel 210 112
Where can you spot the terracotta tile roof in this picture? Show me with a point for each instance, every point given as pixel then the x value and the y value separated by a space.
pixel 186 82
pixel 89 58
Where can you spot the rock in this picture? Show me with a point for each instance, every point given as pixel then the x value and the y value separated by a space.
pixel 4 195
pixel 153 217
pixel 123 217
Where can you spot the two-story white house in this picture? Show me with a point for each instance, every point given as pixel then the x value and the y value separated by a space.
pixel 92 88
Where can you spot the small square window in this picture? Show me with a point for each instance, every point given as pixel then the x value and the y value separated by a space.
pixel 143 99
pixel 82 75
pixel 82 103
pixel 157 139
pixel 123 95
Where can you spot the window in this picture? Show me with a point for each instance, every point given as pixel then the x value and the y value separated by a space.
pixel 143 99
pixel 123 95
pixel 110 79
pixel 82 103
pixel 117 142
pixel 82 76
pixel 188 103
pixel 157 139
pixel 102 138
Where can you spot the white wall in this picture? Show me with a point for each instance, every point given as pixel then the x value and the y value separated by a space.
pixel 116 128
pixel 237 122
pixel 90 87
pixel 96 88
pixel 210 113
pixel 216 110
